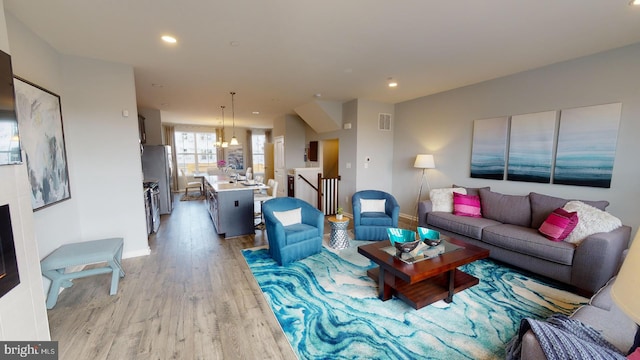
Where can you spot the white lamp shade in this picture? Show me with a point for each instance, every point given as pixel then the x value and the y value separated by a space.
pixel 424 161
pixel 234 141
pixel 626 288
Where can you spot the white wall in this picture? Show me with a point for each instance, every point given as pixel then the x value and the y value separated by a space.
pixel 362 140
pixel 153 126
pixel 347 141
pixel 102 146
pixel 22 310
pixel 376 145
pixel 294 130
pixel 348 156
pixel 442 124
pixel 294 141
pixel 107 171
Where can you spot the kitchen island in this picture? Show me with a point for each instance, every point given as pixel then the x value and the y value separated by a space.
pixel 230 205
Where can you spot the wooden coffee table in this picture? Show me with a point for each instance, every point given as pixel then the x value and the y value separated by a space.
pixel 424 282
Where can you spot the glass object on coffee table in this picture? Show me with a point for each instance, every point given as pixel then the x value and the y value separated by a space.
pixel 407 248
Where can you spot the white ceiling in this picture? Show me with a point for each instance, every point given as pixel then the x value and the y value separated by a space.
pixel 276 54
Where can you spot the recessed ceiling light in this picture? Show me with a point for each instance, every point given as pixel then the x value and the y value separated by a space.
pixel 157 85
pixel 392 83
pixel 234 43
pixel 169 39
pixel 256 112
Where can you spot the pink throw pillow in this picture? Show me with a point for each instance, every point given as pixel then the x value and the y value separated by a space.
pixel 466 205
pixel 559 224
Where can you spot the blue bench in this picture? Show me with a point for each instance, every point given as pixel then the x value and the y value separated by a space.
pixel 84 253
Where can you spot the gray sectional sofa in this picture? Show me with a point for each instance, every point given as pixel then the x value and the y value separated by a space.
pixel 509 229
pixel 601 314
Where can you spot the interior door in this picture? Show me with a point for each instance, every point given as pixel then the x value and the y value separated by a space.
pixel 278 152
pixel 280 172
pixel 268 161
pixel 330 156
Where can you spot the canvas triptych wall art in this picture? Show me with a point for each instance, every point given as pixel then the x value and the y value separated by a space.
pixel 489 148
pixel 587 143
pixel 531 147
pixel 571 147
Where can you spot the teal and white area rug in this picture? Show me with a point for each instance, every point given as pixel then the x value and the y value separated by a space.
pixel 329 309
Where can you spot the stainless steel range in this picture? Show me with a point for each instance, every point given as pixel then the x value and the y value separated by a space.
pixel 153 201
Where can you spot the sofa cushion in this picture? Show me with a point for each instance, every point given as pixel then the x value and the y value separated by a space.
pixel 466 205
pixel 591 221
pixel 613 324
pixel 602 298
pixel 508 209
pixel 466 226
pixel 375 219
pixel 559 224
pixel 471 190
pixel 442 199
pixel 528 241
pixel 542 205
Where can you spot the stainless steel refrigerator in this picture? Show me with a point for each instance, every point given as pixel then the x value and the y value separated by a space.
pixel 156 167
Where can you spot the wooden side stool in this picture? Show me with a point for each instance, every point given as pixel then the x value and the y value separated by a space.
pixel 84 253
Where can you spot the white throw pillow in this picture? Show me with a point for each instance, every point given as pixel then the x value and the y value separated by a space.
pixel 590 221
pixel 442 199
pixel 289 217
pixel 372 205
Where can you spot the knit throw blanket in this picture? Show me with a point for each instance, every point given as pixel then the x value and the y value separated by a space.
pixel 563 338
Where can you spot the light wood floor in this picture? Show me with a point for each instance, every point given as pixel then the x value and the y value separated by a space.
pixel 192 298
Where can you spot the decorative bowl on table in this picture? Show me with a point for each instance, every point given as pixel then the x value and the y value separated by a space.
pixel 429 236
pixel 403 240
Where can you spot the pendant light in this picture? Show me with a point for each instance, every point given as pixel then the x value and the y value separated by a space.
pixel 218 139
pixel 234 139
pixel 223 143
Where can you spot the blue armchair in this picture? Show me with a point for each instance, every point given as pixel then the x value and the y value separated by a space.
pixel 292 234
pixel 372 220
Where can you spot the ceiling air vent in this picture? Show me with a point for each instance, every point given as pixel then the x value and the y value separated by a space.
pixel 384 122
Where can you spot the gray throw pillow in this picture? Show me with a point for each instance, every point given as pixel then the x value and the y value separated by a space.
pixel 508 209
pixel 471 190
pixel 543 205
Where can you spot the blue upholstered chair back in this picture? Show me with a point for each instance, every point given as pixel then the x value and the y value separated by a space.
pixel 370 225
pixel 297 241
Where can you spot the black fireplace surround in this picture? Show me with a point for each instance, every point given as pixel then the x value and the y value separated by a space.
pixel 9 276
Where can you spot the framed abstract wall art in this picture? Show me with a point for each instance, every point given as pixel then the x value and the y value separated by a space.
pixel 42 137
pixel 531 147
pixel 488 154
pixel 587 142
pixel 235 158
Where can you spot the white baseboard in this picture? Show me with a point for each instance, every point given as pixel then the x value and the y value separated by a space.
pixel 409 217
pixel 137 253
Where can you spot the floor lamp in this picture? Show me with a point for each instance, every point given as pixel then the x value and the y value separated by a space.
pixel 424 162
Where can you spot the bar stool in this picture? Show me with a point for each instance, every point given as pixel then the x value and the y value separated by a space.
pixel 271 193
pixel 191 184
